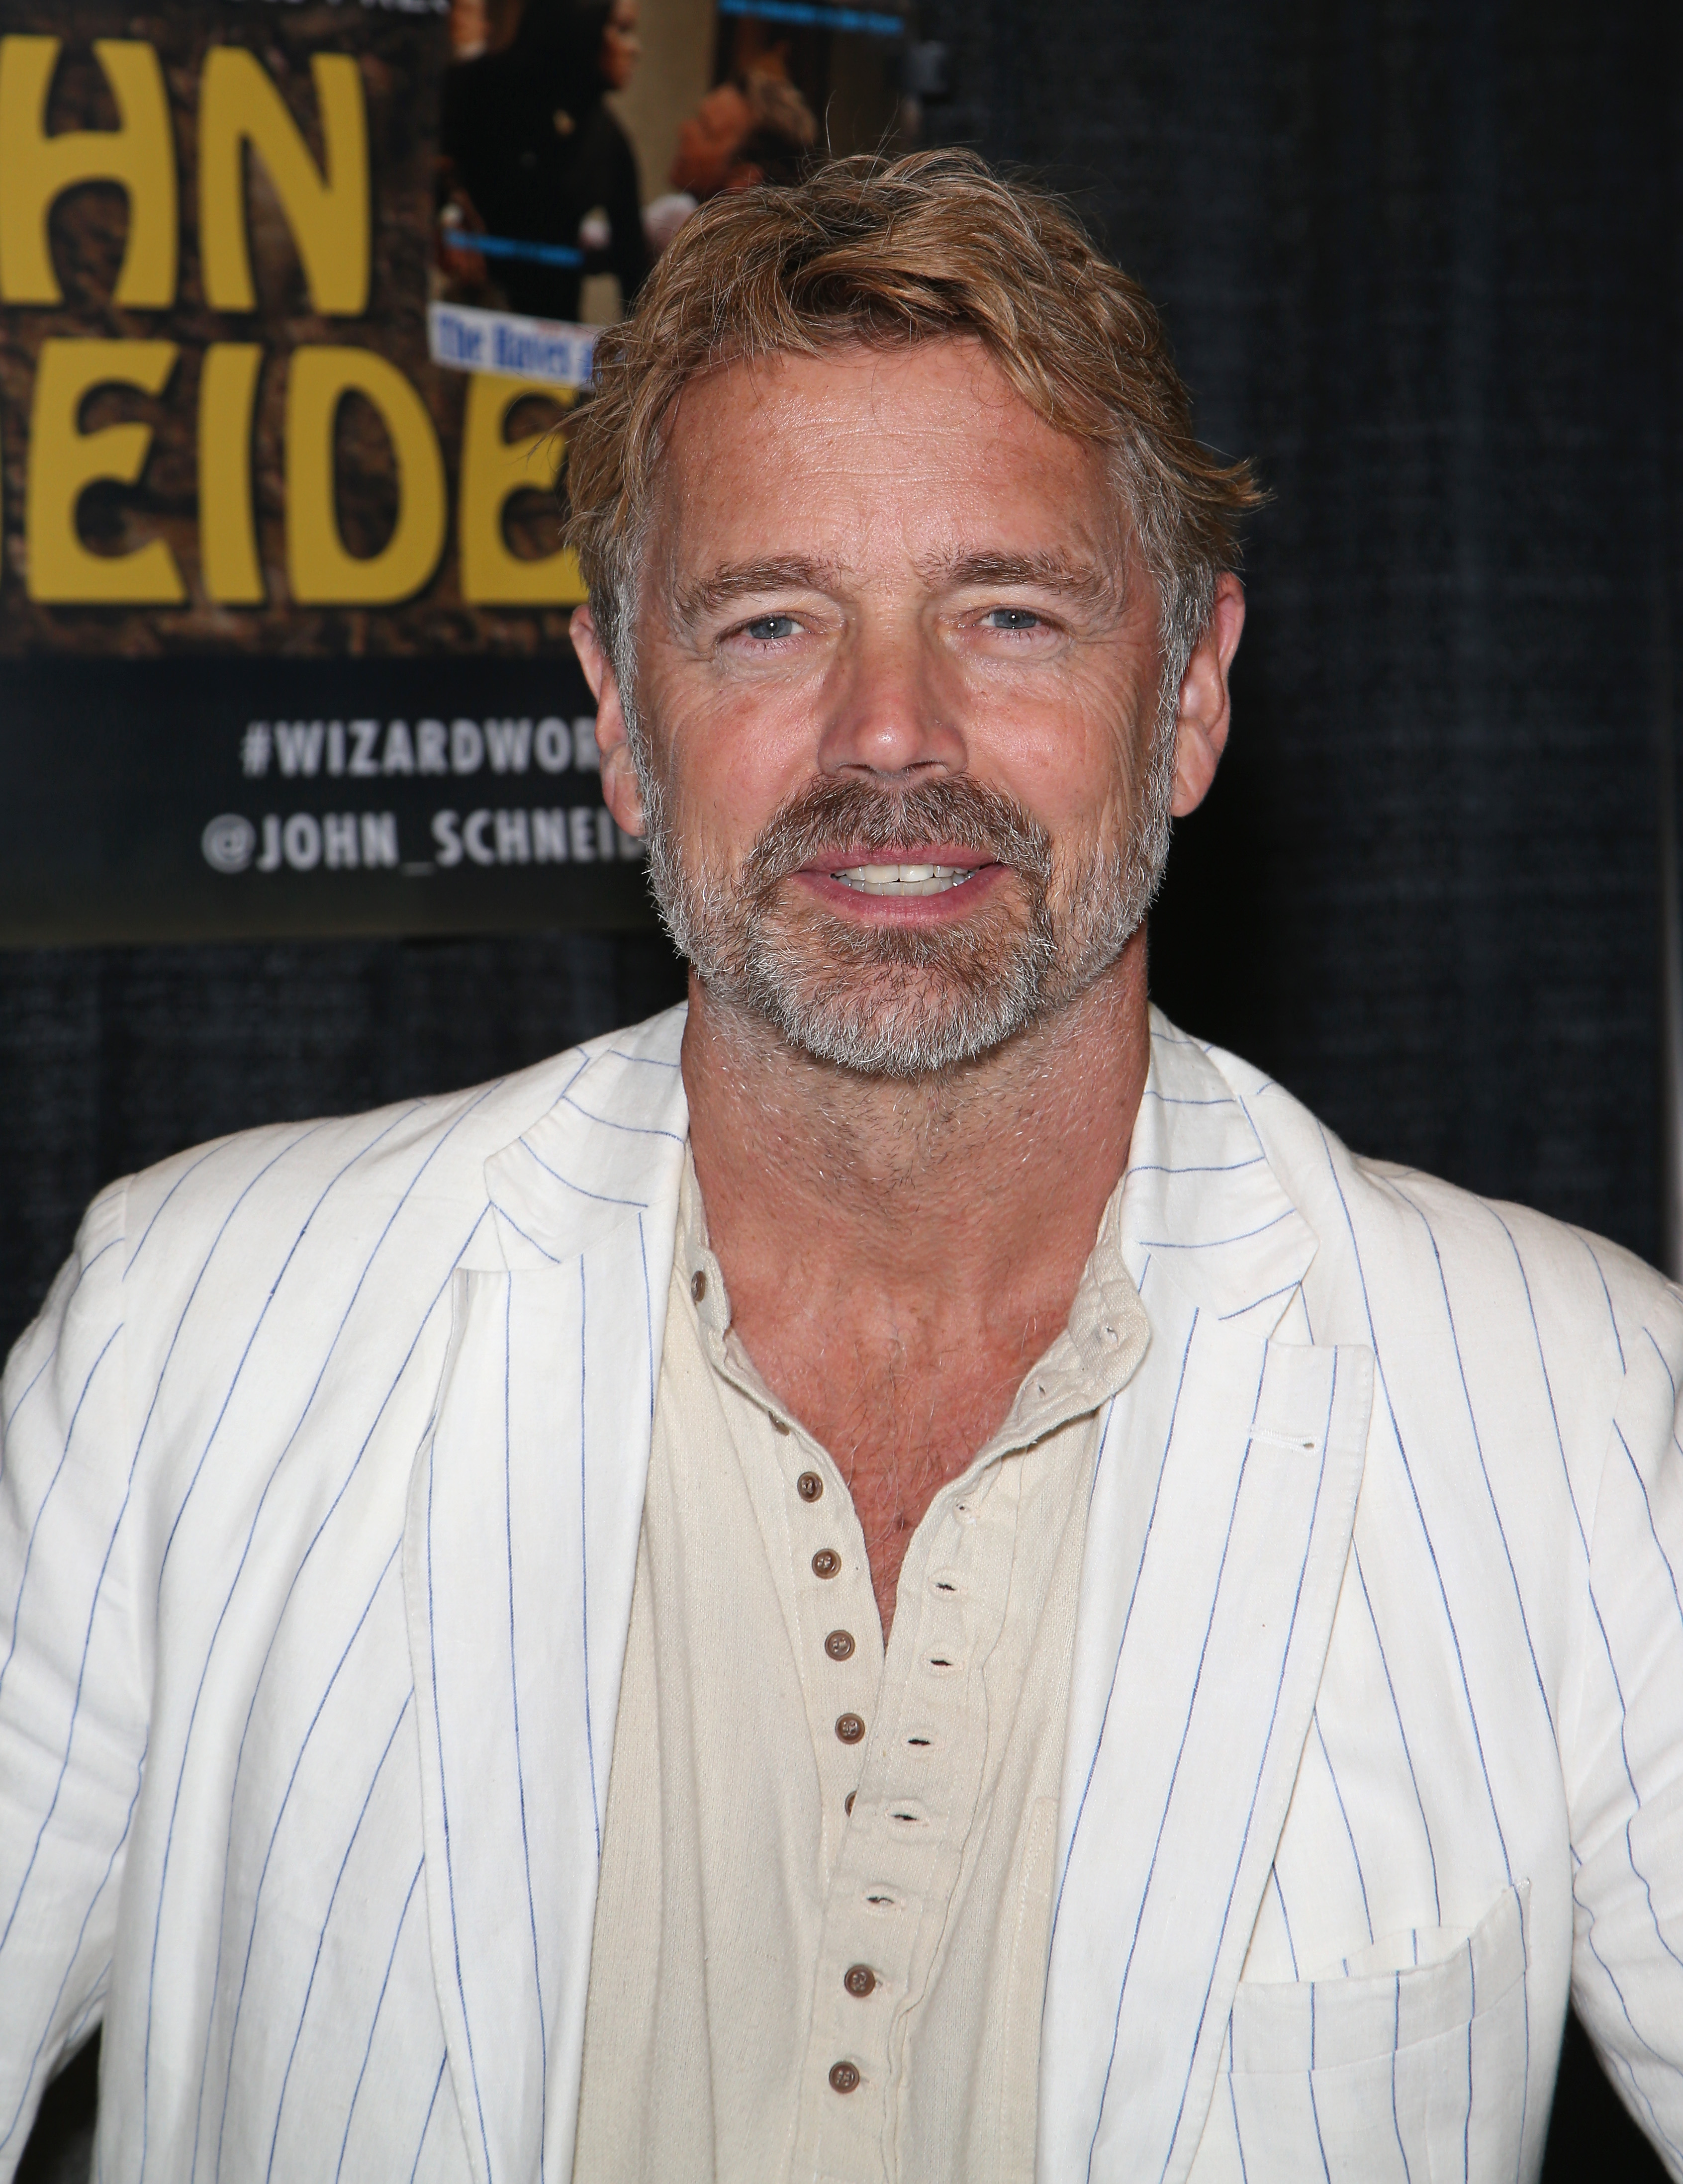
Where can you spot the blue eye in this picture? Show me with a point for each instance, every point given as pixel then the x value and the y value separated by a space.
pixel 770 629
pixel 1011 618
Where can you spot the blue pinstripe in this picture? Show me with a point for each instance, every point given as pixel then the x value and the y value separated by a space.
pixel 584 1559
pixel 274 1834
pixel 1215 1243
pixel 326 1921
pixel 599 1197
pixel 1175 1775
pixel 1395 2044
pixel 263 1668
pixel 514 1697
pixel 1425 1529
pixel 293 1250
pixel 1238 2135
pixel 610 1122
pixel 1133 1595
pixel 426 2120
pixel 1256 1787
pixel 1402 1737
pixel 1548 1384
pixel 1629 1776
pixel 1654 1529
pixel 1314 2105
pixel 83 1271
pixel 70 1964
pixel 1286 1920
pixel 251 1536
pixel 449 1855
pixel 1484 1467
pixel 1344 1814
pixel 191 1167
pixel 374 2021
pixel 35 1528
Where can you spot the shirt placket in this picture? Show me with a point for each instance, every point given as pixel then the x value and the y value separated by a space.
pixel 839 1636
pixel 900 1855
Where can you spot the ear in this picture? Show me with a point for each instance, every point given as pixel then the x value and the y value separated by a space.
pixel 620 790
pixel 1206 709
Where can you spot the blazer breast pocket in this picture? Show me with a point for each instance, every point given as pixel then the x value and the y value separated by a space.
pixel 1411 2063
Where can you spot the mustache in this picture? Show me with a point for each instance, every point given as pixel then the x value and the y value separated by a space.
pixel 836 815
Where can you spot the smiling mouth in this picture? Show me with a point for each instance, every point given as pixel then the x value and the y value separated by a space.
pixel 906 879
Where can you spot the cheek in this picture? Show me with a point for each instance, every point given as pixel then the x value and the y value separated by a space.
pixel 724 783
pixel 1075 774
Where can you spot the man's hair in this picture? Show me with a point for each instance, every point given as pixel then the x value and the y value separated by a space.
pixel 886 253
pixel 776 108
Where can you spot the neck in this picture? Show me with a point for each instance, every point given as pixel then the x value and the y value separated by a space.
pixel 972 1198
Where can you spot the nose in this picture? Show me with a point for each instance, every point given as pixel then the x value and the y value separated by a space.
pixel 889 710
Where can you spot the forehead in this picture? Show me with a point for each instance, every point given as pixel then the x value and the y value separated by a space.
pixel 927 447
pixel 724 106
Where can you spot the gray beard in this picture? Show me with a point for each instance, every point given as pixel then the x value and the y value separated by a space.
pixel 904 1003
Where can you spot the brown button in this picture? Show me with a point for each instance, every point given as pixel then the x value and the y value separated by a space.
pixel 777 1426
pixel 844 2077
pixel 698 1285
pixel 847 1801
pixel 825 1563
pixel 859 1980
pixel 839 1644
pixel 849 1728
pixel 809 1486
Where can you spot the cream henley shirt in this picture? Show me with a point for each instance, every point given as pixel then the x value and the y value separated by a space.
pixel 824 1908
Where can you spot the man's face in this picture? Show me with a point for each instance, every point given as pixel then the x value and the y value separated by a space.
pixel 708 143
pixel 898 699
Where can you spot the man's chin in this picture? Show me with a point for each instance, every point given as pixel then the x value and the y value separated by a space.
pixel 893 1022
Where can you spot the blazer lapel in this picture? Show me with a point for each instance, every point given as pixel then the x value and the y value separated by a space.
pixel 1219 1528
pixel 521 1552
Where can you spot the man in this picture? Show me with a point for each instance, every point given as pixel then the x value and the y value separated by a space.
pixel 908 1575
pixel 752 129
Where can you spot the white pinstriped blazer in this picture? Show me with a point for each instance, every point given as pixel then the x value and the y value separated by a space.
pixel 322 1482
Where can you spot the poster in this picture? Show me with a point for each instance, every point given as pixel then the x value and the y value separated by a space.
pixel 282 602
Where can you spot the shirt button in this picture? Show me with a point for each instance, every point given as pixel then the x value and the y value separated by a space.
pixel 809 1486
pixel 777 1425
pixel 844 2077
pixel 859 1980
pixel 698 1285
pixel 825 1563
pixel 847 1801
pixel 849 1728
pixel 839 1644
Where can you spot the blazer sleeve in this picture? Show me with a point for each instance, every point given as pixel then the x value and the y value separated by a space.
pixel 73 1710
pixel 1622 1745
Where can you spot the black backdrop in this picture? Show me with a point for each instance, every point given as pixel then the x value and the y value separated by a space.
pixel 1421 261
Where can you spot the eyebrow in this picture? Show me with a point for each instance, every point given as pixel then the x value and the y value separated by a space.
pixel 1082 581
pixel 721 587
pixel 1052 570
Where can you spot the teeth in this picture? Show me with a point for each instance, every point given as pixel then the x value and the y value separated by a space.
pixel 904 879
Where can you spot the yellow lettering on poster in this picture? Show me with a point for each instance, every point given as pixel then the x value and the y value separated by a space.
pixel 327 208
pixel 227 524
pixel 63 460
pixel 320 570
pixel 36 169
pixel 494 468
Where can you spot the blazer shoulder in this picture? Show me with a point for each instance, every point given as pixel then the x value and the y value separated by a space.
pixel 347 1175
pixel 1391 1226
